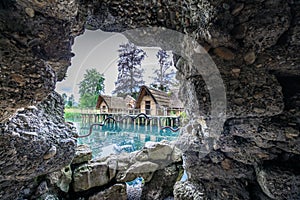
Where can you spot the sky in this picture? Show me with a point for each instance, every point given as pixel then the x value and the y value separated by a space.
pixel 98 49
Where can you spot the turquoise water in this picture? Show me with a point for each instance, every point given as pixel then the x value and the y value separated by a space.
pixel 117 138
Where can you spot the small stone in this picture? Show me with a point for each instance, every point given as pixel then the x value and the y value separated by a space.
pixel 250 58
pixel 29 12
pixel 160 15
pixel 259 65
pixel 226 164
pixel 236 72
pixel 33 108
pixel 224 53
pixel 50 153
pixel 259 110
pixel 291 133
pixel 239 101
pixel 237 9
pixel 258 95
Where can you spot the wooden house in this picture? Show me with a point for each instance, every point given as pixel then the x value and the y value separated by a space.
pixel 155 102
pixel 114 104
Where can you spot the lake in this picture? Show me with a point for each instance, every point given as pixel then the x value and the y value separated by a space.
pixel 117 138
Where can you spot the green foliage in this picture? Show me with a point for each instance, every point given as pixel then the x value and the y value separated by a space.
pixel 172 113
pixel 88 101
pixel 92 83
pixel 90 88
pixel 70 101
pixel 73 115
pixel 183 115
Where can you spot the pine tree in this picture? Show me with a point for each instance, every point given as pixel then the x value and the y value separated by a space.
pixel 130 76
pixel 164 75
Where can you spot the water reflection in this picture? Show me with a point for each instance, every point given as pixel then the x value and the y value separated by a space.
pixel 116 138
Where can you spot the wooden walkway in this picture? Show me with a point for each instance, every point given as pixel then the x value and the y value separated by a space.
pixel 160 121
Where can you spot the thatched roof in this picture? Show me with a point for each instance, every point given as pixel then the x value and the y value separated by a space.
pixel 161 98
pixel 112 102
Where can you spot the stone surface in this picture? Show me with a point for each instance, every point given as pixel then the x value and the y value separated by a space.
pixel 188 191
pixel 117 191
pixel 160 159
pixel 61 178
pixel 278 182
pixel 224 53
pixel 162 183
pixel 87 176
pixel 83 154
pixel 38 141
pixel 250 57
pixel 144 169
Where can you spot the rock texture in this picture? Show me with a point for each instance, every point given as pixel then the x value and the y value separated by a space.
pixel 105 178
pixel 83 154
pixel 154 161
pixel 117 191
pixel 35 142
pixel 254 44
pixel 36 39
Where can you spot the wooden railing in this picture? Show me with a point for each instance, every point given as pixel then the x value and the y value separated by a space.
pixel 156 112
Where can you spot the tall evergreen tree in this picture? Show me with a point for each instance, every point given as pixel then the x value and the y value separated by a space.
pixel 164 75
pixel 130 76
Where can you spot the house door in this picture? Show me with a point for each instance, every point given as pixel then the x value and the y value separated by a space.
pixel 148 107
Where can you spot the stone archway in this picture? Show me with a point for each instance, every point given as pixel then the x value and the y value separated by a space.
pixel 252 43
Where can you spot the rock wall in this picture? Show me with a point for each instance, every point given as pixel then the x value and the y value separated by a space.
pixel 254 44
pixel 34 142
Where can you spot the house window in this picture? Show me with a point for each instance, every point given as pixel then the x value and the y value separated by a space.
pixel 148 107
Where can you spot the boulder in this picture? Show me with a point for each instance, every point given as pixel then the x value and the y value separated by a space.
pixel 61 178
pixel 83 154
pixel 143 169
pixel 162 183
pixel 91 175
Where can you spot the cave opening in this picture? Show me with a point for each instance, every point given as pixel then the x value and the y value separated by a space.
pixel 122 128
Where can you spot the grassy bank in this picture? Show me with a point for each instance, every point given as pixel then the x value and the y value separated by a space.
pixel 72 114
